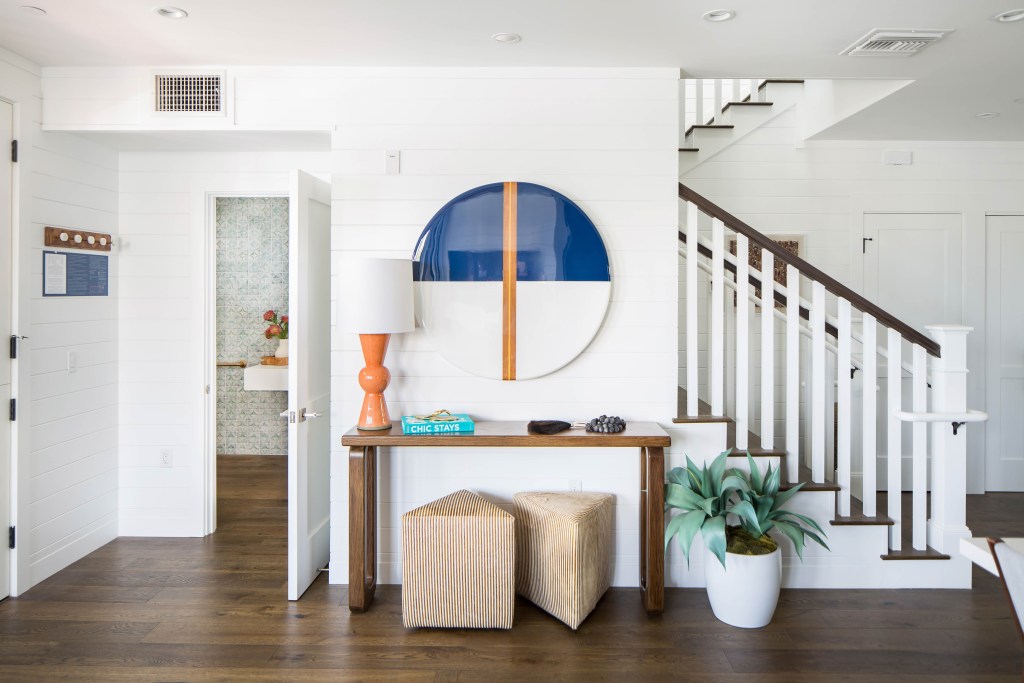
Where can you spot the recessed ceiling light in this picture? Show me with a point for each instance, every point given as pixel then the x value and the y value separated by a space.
pixel 1009 15
pixel 171 12
pixel 987 115
pixel 718 15
pixel 507 38
pixel 32 9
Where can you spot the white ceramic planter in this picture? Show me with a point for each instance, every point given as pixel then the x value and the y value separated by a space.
pixel 745 592
pixel 282 348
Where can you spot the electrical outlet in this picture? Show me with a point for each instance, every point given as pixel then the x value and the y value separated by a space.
pixel 575 485
pixel 166 458
pixel 72 361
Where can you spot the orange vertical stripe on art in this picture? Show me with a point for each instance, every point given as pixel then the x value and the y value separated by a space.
pixel 508 283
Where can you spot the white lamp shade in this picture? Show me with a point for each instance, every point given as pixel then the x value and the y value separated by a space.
pixel 375 295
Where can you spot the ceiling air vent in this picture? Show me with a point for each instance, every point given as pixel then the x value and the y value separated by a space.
pixel 891 42
pixel 189 93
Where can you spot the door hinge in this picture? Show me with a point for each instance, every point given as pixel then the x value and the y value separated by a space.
pixel 14 151
pixel 10 537
pixel 864 244
pixel 14 409
pixel 14 346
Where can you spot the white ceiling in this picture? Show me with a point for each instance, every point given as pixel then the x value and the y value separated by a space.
pixel 977 68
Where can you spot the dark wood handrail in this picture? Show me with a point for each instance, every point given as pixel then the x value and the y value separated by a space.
pixel 805 268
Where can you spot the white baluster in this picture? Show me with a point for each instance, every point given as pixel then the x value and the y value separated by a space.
pixel 734 90
pixel 692 303
pixel 920 475
pixel 843 365
pixel 699 110
pixel 719 96
pixel 752 89
pixel 792 374
pixel 767 350
pixel 894 447
pixel 818 380
pixel 742 341
pixel 717 341
pixel 869 382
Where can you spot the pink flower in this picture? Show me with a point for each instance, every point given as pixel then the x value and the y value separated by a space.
pixel 268 316
pixel 284 318
pixel 273 331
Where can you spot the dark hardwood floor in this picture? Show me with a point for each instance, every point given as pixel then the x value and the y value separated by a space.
pixel 214 609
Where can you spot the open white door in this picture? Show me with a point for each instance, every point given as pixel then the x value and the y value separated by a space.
pixel 309 380
pixel 6 270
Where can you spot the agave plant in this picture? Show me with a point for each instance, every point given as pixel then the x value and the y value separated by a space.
pixel 706 496
pixel 760 509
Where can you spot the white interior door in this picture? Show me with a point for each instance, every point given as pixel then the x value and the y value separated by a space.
pixel 1004 354
pixel 309 380
pixel 913 269
pixel 6 274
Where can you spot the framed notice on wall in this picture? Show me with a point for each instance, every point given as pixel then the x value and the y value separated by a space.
pixel 67 274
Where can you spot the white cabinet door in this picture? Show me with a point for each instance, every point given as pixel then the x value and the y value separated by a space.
pixel 1004 353
pixel 309 380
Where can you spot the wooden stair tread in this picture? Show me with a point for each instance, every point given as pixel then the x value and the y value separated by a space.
pixel 689 149
pixel 712 126
pixel 703 412
pixel 804 476
pixel 747 103
pixel 929 553
pixel 858 518
pixel 779 80
pixel 752 438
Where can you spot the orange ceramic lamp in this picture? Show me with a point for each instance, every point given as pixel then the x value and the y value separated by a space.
pixel 376 301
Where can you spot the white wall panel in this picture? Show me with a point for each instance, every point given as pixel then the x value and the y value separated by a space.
pixel 608 143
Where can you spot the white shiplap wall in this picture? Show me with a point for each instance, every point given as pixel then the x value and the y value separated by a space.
pixel 164 199
pixel 781 184
pixel 65 499
pixel 604 138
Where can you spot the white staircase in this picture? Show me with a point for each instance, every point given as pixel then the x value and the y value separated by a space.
pixel 796 376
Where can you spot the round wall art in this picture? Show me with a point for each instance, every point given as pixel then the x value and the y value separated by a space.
pixel 512 280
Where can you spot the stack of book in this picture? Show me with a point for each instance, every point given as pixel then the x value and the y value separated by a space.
pixel 441 422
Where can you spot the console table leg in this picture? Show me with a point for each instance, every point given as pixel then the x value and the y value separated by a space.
pixel 652 529
pixel 362 527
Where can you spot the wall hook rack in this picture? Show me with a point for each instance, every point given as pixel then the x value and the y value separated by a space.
pixel 68 238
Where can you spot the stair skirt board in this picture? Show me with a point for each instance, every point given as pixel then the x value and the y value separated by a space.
pixel 855 559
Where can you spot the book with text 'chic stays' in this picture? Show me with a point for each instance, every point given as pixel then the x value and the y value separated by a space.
pixel 439 423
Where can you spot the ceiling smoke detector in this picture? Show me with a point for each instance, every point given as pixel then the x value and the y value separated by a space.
pixel 894 42
pixel 507 38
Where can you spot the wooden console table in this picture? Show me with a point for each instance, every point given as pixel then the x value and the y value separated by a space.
pixel 649 437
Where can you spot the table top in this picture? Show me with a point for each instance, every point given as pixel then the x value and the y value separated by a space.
pixel 636 434
pixel 977 551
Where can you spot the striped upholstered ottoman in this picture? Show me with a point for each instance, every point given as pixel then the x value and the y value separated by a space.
pixel 458 564
pixel 563 551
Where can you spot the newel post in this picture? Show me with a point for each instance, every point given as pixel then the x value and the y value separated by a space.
pixel 948 521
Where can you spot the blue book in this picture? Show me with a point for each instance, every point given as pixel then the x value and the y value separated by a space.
pixel 456 423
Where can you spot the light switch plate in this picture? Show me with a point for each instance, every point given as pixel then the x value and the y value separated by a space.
pixel 392 162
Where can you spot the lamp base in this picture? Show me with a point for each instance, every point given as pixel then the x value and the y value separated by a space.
pixel 374 379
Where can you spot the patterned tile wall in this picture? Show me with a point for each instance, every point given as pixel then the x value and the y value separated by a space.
pixel 252 276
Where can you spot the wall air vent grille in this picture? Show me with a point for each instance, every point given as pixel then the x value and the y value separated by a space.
pixel 894 42
pixel 189 93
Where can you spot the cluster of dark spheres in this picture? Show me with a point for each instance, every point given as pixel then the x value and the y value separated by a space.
pixel 606 424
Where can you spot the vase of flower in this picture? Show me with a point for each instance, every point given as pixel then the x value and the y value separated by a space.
pixel 277 329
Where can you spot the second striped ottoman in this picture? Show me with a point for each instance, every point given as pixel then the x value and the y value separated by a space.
pixel 458 564
pixel 563 551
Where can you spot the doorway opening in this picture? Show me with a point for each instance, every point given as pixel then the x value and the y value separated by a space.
pixel 251 235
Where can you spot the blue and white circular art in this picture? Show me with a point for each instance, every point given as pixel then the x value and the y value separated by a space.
pixel 512 280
